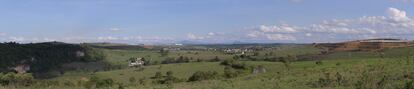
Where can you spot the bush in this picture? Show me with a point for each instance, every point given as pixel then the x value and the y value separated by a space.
pixel 132 79
pixel 14 79
pixel 319 62
pixel 158 75
pixel 169 79
pixel 215 59
pixel 409 85
pixel 234 63
pixel 230 72
pixel 105 83
pixel 180 59
pixel 330 80
pixel 229 62
pixel 96 82
pixel 200 75
pixel 168 61
pixel 240 66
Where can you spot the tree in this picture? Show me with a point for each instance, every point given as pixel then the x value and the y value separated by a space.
pixel 14 79
pixel 170 73
pixel 99 83
pixel 200 75
pixel 183 59
pixel 169 79
pixel 164 52
pixel 216 59
pixel 157 75
pixel 256 54
pixel 288 60
pixel 229 62
pixel 230 72
pixel 132 79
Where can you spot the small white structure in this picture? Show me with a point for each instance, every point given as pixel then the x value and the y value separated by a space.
pixel 80 54
pixel 21 68
pixel 136 62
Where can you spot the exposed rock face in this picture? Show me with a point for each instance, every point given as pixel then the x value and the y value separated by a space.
pixel 22 68
pixel 259 69
pixel 366 45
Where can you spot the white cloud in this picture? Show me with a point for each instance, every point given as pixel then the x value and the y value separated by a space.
pixel 308 34
pixel 211 33
pixel 195 37
pixel 255 34
pixel 115 29
pixel 280 37
pixel 395 24
pixel 397 15
pixel 17 39
pixel 108 38
pixel 284 28
pixel 393 12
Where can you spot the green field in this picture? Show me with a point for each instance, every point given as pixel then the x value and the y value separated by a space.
pixel 301 75
pixel 339 70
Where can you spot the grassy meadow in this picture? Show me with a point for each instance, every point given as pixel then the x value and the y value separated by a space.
pixel 339 70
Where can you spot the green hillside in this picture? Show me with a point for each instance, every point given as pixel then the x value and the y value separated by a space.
pixel 338 70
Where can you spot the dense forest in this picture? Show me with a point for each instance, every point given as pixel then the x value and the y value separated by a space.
pixel 43 57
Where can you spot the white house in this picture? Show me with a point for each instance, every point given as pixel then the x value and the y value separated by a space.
pixel 137 62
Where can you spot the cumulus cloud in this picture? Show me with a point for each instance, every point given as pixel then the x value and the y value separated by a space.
pixel 284 28
pixel 211 33
pixel 395 24
pixel 280 37
pixel 195 37
pixel 397 15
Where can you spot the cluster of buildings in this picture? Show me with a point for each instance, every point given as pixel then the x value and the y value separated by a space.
pixel 136 62
pixel 237 51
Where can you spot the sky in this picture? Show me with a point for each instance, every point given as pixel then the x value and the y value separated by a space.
pixel 204 21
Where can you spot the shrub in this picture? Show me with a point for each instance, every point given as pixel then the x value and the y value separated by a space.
pixel 409 85
pixel 168 61
pixel 132 79
pixel 215 59
pixel 105 83
pixel 319 62
pixel 230 72
pixel 14 79
pixel 229 62
pixel 182 59
pixel 200 75
pixel 329 80
pixel 240 66
pixel 97 82
pixel 234 64
pixel 157 75
pixel 169 79
pixel 142 81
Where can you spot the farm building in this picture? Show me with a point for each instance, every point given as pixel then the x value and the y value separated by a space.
pixel 136 62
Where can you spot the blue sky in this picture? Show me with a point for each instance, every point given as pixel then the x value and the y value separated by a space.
pixel 208 21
